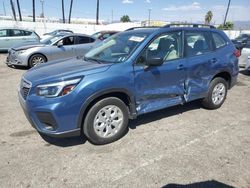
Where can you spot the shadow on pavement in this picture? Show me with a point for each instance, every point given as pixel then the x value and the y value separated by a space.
pixel 167 112
pixel 205 184
pixel 245 72
pixel 64 142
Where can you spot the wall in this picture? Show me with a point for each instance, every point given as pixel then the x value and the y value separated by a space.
pixel 41 27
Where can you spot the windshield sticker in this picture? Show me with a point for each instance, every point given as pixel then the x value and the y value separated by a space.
pixel 136 39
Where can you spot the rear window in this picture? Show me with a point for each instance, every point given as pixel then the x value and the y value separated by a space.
pixel 219 41
pixel 197 43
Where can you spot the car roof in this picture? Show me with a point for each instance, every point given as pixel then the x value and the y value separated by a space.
pixel 75 34
pixel 17 29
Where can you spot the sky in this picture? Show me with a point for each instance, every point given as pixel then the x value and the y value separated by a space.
pixel 166 10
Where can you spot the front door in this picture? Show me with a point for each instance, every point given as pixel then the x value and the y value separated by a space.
pixel 158 87
pixel 66 49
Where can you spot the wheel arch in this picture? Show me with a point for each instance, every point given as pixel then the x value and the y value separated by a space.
pixel 225 75
pixel 37 53
pixel 121 94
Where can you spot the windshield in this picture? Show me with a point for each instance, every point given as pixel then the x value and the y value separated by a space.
pixel 117 48
pixel 50 40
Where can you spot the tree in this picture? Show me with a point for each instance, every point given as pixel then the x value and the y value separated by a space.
pixel 19 10
pixel 208 17
pixel 34 10
pixel 97 12
pixel 63 11
pixel 125 18
pixel 70 9
pixel 225 19
pixel 226 26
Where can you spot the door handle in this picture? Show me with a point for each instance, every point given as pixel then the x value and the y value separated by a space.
pixel 180 67
pixel 214 60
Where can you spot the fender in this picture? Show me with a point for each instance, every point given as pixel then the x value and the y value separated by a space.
pixel 132 111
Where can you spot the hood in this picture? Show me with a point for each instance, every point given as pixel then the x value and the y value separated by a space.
pixel 63 69
pixel 25 46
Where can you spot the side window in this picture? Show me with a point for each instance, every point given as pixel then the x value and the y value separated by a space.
pixel 27 33
pixel 218 41
pixel 16 33
pixel 83 40
pixel 68 41
pixel 197 43
pixel 3 33
pixel 167 47
pixel 105 36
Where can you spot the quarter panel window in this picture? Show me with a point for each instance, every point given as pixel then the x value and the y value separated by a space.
pixel 218 41
pixel 197 43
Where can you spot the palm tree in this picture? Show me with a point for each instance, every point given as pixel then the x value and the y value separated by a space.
pixel 208 17
pixel 19 10
pixel 63 11
pixel 70 9
pixel 13 9
pixel 34 11
pixel 97 12
pixel 225 19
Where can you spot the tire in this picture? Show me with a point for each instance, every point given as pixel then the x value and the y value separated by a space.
pixel 36 59
pixel 100 126
pixel 217 93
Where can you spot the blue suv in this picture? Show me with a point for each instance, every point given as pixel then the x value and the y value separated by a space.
pixel 129 74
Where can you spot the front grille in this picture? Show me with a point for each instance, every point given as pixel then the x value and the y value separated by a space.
pixel 25 88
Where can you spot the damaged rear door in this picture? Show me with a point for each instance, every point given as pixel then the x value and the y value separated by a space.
pixel 162 86
pixel 201 63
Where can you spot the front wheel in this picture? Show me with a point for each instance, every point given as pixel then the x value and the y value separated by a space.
pixel 106 121
pixel 36 59
pixel 216 94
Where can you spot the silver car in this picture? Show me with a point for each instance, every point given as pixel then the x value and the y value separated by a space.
pixel 53 48
pixel 244 58
pixel 10 37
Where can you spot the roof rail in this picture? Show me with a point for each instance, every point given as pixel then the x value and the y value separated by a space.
pixel 134 28
pixel 189 25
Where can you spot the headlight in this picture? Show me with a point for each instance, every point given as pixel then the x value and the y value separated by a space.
pixel 20 52
pixel 57 89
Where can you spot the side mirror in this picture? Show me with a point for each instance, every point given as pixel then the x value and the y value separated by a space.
pixel 60 44
pixel 154 61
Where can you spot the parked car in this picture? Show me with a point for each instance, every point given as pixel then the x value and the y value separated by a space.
pixel 245 53
pixel 124 77
pixel 10 37
pixel 58 47
pixel 241 41
pixel 102 35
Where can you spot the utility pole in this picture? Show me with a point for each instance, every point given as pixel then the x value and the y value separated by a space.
pixel 63 11
pixel 97 13
pixel 112 16
pixel 4 9
pixel 149 14
pixel 13 9
pixel 34 11
pixel 19 10
pixel 42 3
pixel 225 19
pixel 70 10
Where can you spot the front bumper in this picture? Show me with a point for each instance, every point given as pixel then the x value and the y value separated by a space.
pixel 61 130
pixel 16 59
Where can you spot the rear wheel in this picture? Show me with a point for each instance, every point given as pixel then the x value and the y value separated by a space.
pixel 216 94
pixel 106 121
pixel 36 59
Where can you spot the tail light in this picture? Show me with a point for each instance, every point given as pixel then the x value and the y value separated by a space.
pixel 237 53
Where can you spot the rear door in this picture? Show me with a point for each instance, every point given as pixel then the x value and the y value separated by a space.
pixel 83 45
pixel 158 87
pixel 201 61
pixel 5 41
